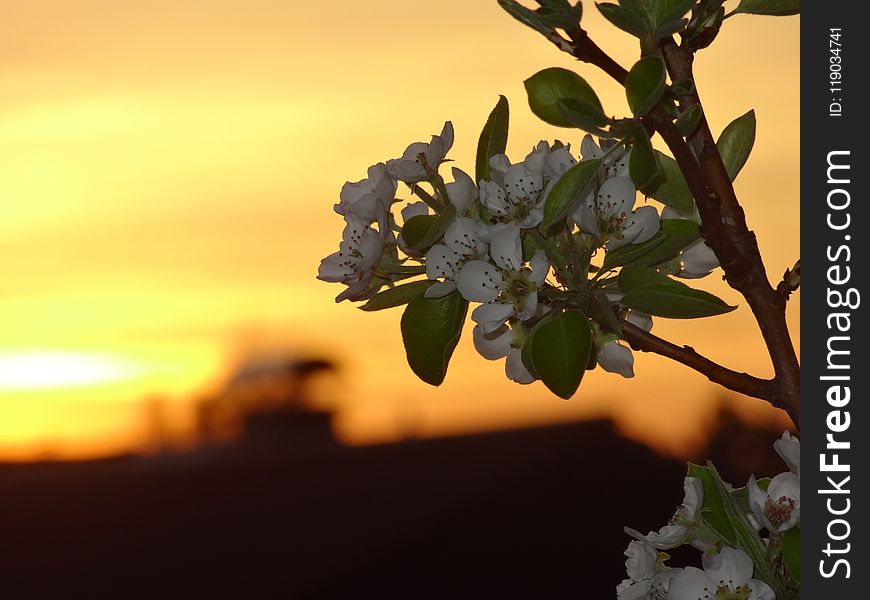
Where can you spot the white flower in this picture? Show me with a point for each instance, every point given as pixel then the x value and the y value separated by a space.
pixel 500 344
pixel 421 160
pixel 505 285
pixel 615 165
pixel 669 536
pixel 639 319
pixel 360 250
pixel 461 192
pixel 613 356
pixel 616 358
pixel 778 508
pixel 697 260
pixel 789 448
pixel 693 498
pixel 727 575
pixel 513 195
pixel 648 578
pixel 609 215
pixel 443 261
pixel 370 198
pixel 551 162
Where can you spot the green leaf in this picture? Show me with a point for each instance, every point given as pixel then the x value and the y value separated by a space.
pixel 713 507
pixel 673 236
pixel 493 138
pixel 559 351
pixel 745 535
pixel 431 328
pixel 736 143
pixel 631 254
pixel 741 494
pixel 679 234
pixel 776 8
pixel 415 229
pixel 791 552
pixel 670 188
pixel 669 15
pixel 683 87
pixel 396 296
pixel 530 246
pixel 582 115
pixel 688 120
pixel 568 190
pixel 633 278
pixel 642 166
pixel 625 19
pixel 547 87
pixel 675 302
pixel 645 85
pixel 602 311
pixel 526 16
pixel 426 230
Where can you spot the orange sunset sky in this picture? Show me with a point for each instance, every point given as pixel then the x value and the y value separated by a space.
pixel 167 176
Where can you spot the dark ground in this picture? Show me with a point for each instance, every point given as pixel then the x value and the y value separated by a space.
pixel 287 513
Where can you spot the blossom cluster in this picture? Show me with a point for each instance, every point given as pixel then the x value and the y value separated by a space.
pixel 488 245
pixel 772 507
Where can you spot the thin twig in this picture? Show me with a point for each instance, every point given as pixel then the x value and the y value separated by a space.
pixel 644 341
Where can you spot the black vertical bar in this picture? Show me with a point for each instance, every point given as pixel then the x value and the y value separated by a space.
pixel 834 170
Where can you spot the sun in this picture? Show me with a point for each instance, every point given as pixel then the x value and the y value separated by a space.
pixel 45 369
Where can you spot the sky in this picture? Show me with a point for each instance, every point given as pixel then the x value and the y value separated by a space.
pixel 167 176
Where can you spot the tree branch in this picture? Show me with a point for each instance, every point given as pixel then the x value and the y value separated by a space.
pixel 724 227
pixel 644 341
pixel 723 220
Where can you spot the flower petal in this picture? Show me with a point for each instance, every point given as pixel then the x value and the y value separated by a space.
pixel 639 319
pixel 493 197
pixel 492 315
pixel 669 536
pixel 540 268
pixel 698 260
pixel 506 248
pixel 461 191
pixel 693 497
pixel 616 358
pixel 440 289
pixel 493 345
pixel 760 591
pixel 442 261
pixel 757 500
pixel 414 209
pixel 730 566
pixel 642 225
pixel 690 584
pixel 479 281
pixel 641 561
pixel 529 306
pixel 462 237
pixel 616 196
pixel 589 149
pixel 334 269
pixel 789 449
pixel 523 184
pixel 515 369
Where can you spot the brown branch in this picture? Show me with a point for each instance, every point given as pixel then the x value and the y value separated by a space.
pixel 723 219
pixel 724 227
pixel 791 281
pixel 644 341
